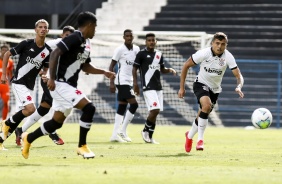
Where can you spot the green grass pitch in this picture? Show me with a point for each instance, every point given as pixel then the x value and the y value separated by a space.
pixel 231 155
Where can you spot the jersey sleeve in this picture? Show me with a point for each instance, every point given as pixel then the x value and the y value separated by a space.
pixel 138 60
pixel 199 56
pixel 68 42
pixel 19 48
pixel 53 43
pixel 116 55
pixel 231 62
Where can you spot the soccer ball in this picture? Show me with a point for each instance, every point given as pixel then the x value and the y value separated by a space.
pixel 261 118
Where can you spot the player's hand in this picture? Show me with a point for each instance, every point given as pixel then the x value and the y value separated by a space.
pixel 110 75
pixel 51 85
pixel 171 70
pixel 44 78
pixel 112 88
pixel 3 79
pixel 136 90
pixel 181 93
pixel 238 90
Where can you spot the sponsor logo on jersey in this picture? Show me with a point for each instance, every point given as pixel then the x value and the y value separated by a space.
pixel 213 70
pixel 129 62
pixel 148 56
pixel 33 61
pixel 154 67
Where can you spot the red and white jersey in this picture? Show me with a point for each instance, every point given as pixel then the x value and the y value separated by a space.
pixel 212 67
pixel 125 59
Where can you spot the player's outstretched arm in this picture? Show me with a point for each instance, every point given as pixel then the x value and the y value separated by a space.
pixel 168 70
pixel 88 68
pixel 189 63
pixel 240 82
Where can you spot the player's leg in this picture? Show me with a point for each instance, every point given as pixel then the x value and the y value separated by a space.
pixel 154 104
pixel 128 95
pixel 118 121
pixel 25 106
pixel 46 128
pixel 88 111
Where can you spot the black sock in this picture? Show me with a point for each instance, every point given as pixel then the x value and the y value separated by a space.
pixel 82 136
pixel 17 118
pixel 34 135
pixel 196 121
pixel 151 130
pixel 148 125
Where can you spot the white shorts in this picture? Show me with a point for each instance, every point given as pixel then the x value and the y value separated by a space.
pixel 65 97
pixel 154 99
pixel 23 96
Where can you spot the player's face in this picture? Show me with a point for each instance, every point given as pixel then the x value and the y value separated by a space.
pixel 128 38
pixel 41 29
pixel 3 51
pixel 91 29
pixel 65 34
pixel 218 46
pixel 151 42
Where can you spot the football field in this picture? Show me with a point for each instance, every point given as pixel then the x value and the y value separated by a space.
pixel 231 155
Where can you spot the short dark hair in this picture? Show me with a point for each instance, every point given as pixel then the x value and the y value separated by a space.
pixel 220 36
pixel 150 35
pixel 85 17
pixel 4 46
pixel 68 28
pixel 127 30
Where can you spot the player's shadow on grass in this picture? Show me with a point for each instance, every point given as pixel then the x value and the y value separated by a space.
pixel 21 165
pixel 176 155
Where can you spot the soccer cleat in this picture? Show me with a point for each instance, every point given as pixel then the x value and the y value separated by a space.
pixel 18 133
pixel 85 152
pixel 26 145
pixel 116 139
pixel 200 145
pixel 5 130
pixel 124 136
pixel 188 143
pixel 2 148
pixel 145 136
pixel 56 139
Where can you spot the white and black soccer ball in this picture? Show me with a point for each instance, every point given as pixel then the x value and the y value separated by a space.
pixel 261 118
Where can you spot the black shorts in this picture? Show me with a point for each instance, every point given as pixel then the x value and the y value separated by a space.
pixel 46 96
pixel 201 90
pixel 125 92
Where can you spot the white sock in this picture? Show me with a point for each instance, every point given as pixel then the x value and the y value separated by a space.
pixel 193 130
pixel 31 120
pixel 202 124
pixel 127 119
pixel 118 121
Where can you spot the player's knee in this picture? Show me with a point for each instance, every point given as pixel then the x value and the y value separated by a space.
pixel 154 112
pixel 133 108
pixel 42 111
pixel 88 113
pixel 121 109
pixel 207 108
pixel 29 109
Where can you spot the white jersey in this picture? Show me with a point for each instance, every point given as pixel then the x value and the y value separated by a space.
pixel 53 43
pixel 212 67
pixel 125 59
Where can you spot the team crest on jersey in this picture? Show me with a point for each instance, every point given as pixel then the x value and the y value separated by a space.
pixel 157 56
pixel 43 55
pixel 221 62
pixel 29 98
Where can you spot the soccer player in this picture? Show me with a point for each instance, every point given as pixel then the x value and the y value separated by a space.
pixel 5 88
pixel 124 55
pixel 70 57
pixel 213 62
pixel 150 62
pixel 34 56
pixel 46 100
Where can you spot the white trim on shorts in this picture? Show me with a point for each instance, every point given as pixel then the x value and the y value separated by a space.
pixel 154 99
pixel 23 96
pixel 65 97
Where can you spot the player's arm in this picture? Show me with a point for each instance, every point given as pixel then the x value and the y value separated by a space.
pixel 189 63
pixel 53 63
pixel 4 67
pixel 10 69
pixel 135 84
pixel 111 68
pixel 168 70
pixel 88 68
pixel 240 81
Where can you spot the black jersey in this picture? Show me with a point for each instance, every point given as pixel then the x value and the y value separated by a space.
pixel 31 60
pixel 76 52
pixel 149 64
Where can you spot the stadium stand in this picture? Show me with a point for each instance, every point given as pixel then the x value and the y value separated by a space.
pixel 253 27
